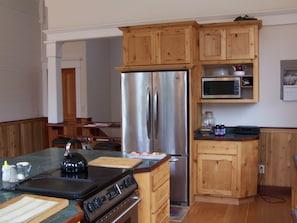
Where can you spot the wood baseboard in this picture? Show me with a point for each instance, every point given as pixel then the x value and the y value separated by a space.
pixel 223 200
pixel 274 190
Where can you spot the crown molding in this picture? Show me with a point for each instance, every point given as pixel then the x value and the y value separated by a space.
pixel 269 18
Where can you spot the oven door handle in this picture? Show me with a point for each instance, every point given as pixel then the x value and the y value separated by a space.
pixel 136 201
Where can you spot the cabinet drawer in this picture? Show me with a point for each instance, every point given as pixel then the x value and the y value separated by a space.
pixel 160 196
pixel 218 147
pixel 162 215
pixel 160 175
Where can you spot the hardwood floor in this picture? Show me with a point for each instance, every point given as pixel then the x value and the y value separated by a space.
pixel 259 211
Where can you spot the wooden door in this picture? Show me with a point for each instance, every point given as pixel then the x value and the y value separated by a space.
pixel 139 47
pixel 173 45
pixel 212 44
pixel 69 94
pixel 240 43
pixel 217 174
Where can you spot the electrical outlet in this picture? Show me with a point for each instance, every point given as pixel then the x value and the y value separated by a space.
pixel 261 169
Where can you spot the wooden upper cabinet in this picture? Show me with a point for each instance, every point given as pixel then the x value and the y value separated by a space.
pixel 241 42
pixel 229 41
pixel 139 47
pixel 169 43
pixel 212 44
pixel 174 45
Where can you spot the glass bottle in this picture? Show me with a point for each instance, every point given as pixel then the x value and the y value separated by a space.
pixel 208 121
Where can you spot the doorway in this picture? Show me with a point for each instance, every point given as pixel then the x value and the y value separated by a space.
pixel 69 94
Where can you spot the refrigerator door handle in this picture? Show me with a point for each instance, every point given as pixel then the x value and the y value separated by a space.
pixel 155 113
pixel 148 113
pixel 173 159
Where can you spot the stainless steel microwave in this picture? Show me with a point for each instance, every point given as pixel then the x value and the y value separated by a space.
pixel 221 87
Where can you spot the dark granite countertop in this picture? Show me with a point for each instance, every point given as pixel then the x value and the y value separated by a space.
pixel 49 159
pixel 227 137
pixel 231 135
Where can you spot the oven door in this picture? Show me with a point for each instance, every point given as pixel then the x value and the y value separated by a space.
pixel 124 212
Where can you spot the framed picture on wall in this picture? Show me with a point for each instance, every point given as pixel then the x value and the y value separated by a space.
pixel 289 80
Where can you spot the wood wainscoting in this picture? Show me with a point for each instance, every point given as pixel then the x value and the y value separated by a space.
pixel 276 149
pixel 23 136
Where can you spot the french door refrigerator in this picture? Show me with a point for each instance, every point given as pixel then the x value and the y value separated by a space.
pixel 155 118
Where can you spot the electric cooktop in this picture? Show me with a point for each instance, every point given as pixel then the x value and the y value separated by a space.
pixel 73 186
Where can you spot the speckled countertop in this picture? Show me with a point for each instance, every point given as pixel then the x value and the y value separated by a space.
pixel 49 159
pixel 231 135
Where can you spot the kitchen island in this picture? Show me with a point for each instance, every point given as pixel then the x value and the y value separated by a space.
pixel 49 159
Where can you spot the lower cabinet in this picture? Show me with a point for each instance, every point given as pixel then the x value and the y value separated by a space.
pixel 226 168
pixel 154 190
pixel 217 174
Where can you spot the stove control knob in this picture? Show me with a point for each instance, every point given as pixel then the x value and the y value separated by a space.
pixel 91 207
pixel 128 181
pixel 103 199
pixel 97 202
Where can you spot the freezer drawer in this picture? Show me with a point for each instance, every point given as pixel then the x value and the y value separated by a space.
pixel 179 180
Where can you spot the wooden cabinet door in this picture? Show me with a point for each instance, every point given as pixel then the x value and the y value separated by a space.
pixel 227 43
pixel 212 44
pixel 217 174
pixel 139 47
pixel 154 192
pixel 173 45
pixel 194 168
pixel 240 43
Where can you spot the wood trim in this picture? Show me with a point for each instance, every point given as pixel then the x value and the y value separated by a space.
pixel 22 136
pixel 276 147
pixel 77 217
pixel 159 25
pixel 273 190
pixel 155 67
pixel 278 130
pixel 235 23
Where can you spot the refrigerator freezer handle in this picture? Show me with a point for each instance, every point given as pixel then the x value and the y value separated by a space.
pixel 155 113
pixel 148 113
pixel 173 159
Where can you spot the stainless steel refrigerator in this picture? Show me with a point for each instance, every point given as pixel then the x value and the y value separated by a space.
pixel 155 118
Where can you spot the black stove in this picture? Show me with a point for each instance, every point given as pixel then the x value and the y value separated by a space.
pixel 98 190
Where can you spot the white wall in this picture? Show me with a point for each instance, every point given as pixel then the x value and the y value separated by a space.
pixel 116 60
pixel 103 81
pixel 20 60
pixel 276 43
pixel 98 80
pixel 116 13
pixel 100 97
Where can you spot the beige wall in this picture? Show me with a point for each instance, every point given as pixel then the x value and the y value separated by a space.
pixel 20 60
pixel 81 13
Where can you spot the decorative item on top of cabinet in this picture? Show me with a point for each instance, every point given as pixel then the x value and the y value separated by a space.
pixel 225 45
pixel 225 171
pixel 166 43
